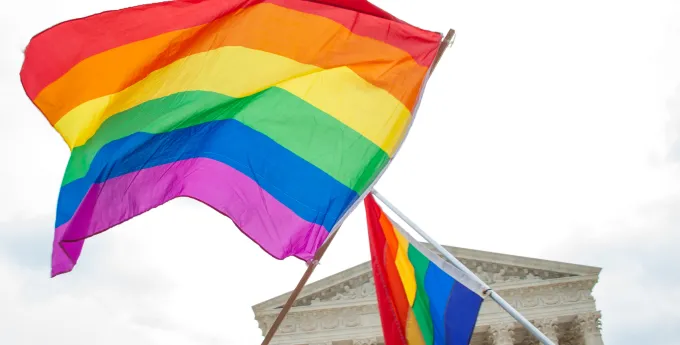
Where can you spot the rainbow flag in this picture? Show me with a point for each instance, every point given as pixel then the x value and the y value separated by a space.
pixel 277 113
pixel 422 299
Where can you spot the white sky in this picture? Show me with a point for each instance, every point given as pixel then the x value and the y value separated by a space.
pixel 549 130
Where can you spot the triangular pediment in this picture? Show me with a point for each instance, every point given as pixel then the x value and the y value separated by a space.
pixel 495 269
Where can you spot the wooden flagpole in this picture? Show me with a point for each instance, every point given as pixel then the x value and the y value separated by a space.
pixel 447 42
pixel 301 284
pixel 443 46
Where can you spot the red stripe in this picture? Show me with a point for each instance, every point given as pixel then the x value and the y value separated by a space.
pixel 415 41
pixel 392 324
pixel 397 290
pixel 361 6
pixel 53 52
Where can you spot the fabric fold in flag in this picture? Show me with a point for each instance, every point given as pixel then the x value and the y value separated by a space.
pixel 422 299
pixel 279 114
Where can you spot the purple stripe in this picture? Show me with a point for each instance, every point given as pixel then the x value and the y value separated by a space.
pixel 269 223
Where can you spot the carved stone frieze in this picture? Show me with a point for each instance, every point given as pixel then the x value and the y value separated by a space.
pixel 330 319
pixel 289 325
pixel 494 268
pixel 366 341
pixel 365 290
pixel 357 288
pixel 522 298
pixel 545 296
pixel 502 334
pixel 321 320
pixel 494 273
pixel 309 322
pixel 352 317
pixel 362 287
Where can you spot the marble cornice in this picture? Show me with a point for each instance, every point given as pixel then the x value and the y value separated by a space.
pixel 569 290
pixel 502 272
pixel 588 281
pixel 514 260
pixel 505 289
pixel 332 306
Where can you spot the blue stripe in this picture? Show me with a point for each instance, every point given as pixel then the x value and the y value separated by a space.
pixel 438 286
pixel 461 314
pixel 308 191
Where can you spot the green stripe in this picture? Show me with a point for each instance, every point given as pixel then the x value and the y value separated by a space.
pixel 421 305
pixel 296 125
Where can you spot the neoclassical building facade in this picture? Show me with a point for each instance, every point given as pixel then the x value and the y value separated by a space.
pixel 555 296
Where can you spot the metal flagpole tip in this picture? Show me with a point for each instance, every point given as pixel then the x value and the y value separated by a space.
pixel 453 38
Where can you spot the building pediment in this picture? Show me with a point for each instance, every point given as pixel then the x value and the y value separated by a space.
pixel 354 286
pixel 357 289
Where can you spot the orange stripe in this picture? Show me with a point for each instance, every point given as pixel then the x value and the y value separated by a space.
pixel 306 38
pixel 390 238
pixel 396 289
pixel 399 255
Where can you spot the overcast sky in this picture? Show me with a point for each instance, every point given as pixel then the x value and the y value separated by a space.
pixel 550 130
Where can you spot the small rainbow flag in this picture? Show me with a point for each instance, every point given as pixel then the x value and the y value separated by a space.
pixel 280 114
pixel 422 299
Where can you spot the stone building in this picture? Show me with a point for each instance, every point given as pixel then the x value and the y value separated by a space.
pixel 555 296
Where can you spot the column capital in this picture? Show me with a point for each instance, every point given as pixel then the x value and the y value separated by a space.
pixel 502 333
pixel 549 327
pixel 588 323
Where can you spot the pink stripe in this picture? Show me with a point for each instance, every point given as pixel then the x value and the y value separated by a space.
pixel 269 223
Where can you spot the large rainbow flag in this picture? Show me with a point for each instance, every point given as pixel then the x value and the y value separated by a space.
pixel 280 114
pixel 422 299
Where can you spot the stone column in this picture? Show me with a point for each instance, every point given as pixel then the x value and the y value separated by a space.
pixel 548 326
pixel 588 326
pixel 502 334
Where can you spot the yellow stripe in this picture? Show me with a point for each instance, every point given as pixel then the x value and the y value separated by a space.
pixel 405 268
pixel 414 336
pixel 239 72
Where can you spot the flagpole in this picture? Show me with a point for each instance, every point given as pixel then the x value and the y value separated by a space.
pixel 447 42
pixel 488 291
pixel 301 284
